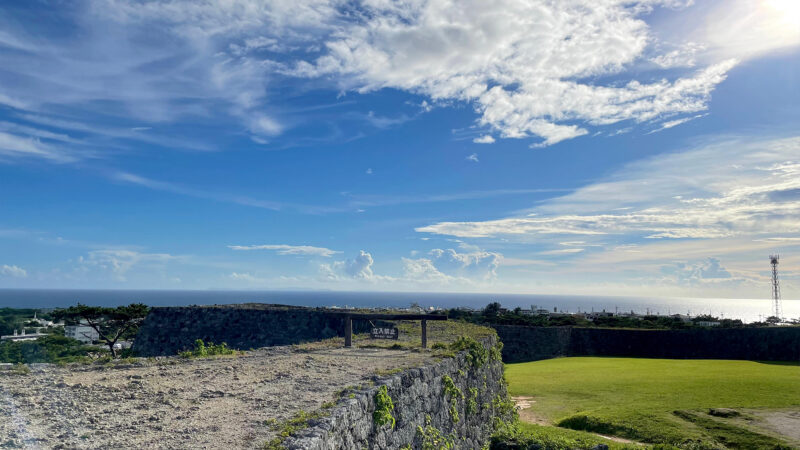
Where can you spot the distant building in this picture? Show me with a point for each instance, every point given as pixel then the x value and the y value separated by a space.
pixel 82 332
pixel 597 314
pixel 22 337
pixel 685 318
pixel 707 323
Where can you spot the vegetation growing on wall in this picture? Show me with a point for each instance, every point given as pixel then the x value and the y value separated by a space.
pixel 452 391
pixel 299 421
pixel 477 355
pixel 383 408
pixel 431 438
pixel 472 401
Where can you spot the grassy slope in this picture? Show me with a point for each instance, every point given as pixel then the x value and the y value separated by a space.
pixel 636 398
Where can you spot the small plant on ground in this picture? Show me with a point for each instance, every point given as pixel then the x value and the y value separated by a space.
pixel 21 369
pixel 383 408
pixel 433 439
pixel 203 350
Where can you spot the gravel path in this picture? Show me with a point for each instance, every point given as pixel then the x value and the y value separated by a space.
pixel 175 403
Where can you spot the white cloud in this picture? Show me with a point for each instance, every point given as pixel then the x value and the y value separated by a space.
pixel 700 271
pixel 284 249
pixel 245 276
pixel 563 251
pixel 731 188
pixel 120 261
pixel 528 67
pixel 357 268
pixel 685 56
pixel 517 61
pixel 13 271
pixel 423 270
pixel 12 145
pixel 674 123
pixel 473 157
pixel 485 139
pixel 369 171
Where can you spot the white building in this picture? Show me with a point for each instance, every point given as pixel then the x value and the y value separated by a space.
pixel 82 332
pixel 23 336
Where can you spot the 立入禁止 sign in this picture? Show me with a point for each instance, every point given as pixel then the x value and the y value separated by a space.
pixel 384 333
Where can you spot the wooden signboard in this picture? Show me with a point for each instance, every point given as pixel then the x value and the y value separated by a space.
pixel 384 333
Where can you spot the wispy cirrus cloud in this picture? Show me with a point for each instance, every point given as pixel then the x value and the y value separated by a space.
pixel 121 261
pixel 720 190
pixel 524 65
pixel 284 249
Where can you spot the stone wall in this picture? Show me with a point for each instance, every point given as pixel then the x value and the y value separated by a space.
pixel 759 344
pixel 167 331
pixel 416 393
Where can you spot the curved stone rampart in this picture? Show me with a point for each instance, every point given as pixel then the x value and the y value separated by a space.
pixel 417 394
pixel 523 343
pixel 169 330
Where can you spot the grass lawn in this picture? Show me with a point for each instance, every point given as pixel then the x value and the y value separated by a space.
pixel 658 400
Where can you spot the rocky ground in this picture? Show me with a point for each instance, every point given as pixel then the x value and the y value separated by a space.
pixel 224 402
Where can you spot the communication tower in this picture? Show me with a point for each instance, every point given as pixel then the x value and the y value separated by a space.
pixel 776 288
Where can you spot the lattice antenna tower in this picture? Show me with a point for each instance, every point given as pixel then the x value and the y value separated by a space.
pixel 776 287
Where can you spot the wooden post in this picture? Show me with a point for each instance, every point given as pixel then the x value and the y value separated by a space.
pixel 424 333
pixel 348 331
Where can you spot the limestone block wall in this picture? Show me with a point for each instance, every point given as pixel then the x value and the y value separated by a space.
pixel 416 394
pixel 167 331
pixel 760 344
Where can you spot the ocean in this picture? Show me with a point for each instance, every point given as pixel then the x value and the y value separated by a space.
pixel 748 310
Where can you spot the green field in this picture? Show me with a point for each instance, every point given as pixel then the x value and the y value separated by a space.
pixel 659 400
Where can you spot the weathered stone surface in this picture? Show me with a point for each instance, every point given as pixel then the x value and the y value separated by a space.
pixel 417 394
pixel 167 331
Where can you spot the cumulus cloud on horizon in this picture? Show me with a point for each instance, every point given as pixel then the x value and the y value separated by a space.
pixel 13 271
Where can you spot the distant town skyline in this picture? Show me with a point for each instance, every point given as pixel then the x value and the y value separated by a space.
pixel 611 148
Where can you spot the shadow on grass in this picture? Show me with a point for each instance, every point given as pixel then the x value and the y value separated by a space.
pixel 780 363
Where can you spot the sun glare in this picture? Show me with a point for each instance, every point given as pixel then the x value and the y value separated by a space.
pixel 787 13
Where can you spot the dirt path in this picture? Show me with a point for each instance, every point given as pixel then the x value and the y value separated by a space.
pixel 783 422
pixel 175 403
pixel 526 414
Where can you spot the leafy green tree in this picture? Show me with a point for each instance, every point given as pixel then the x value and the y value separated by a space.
pixel 492 309
pixel 111 324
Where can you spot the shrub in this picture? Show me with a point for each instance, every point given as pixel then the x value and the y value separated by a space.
pixel 203 350
pixel 477 355
pixel 383 408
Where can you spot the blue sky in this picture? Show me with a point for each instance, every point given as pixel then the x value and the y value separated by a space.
pixel 590 147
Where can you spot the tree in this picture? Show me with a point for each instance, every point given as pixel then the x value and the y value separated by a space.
pixel 492 309
pixel 111 324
